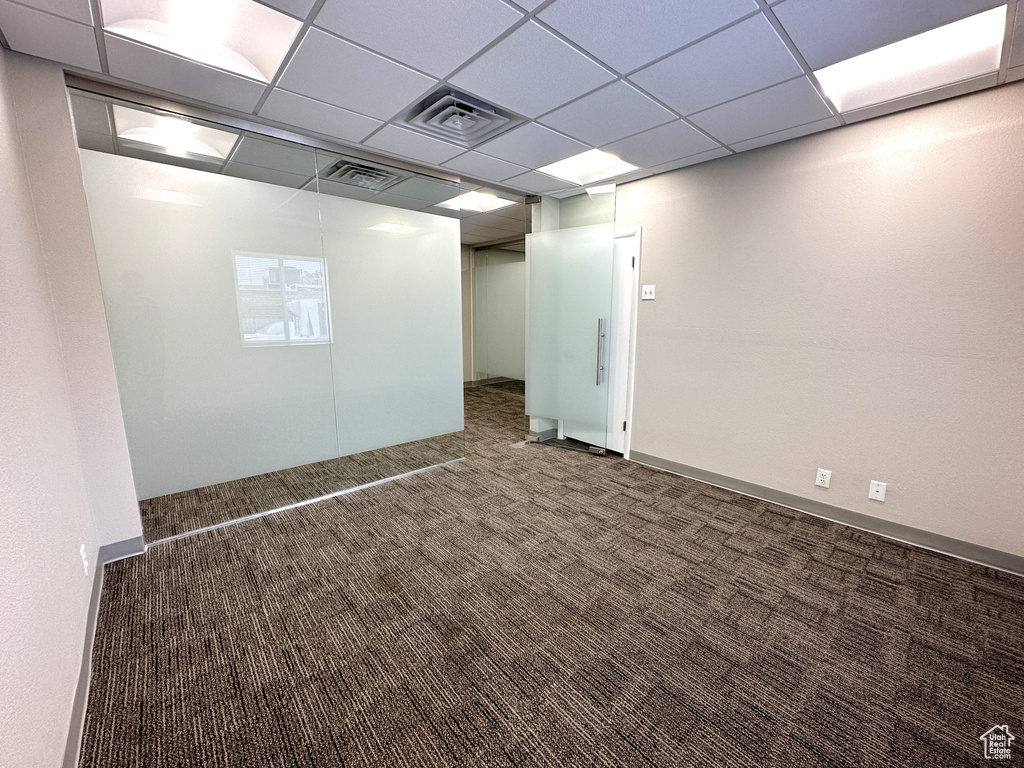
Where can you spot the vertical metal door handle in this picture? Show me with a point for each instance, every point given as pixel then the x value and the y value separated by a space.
pixel 600 345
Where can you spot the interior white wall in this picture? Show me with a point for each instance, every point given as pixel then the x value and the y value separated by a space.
pixel 853 301
pixel 500 302
pixel 46 500
pixel 468 368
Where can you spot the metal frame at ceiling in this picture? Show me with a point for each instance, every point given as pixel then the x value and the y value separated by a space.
pixel 245 123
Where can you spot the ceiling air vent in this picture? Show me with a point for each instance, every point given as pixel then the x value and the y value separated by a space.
pixel 460 119
pixel 364 176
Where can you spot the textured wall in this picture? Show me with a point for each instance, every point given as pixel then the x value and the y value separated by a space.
pixel 854 301
pixel 45 511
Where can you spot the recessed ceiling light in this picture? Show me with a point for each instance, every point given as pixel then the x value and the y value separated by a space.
pixel 239 36
pixel 178 137
pixel 476 201
pixel 387 226
pixel 588 167
pixel 948 54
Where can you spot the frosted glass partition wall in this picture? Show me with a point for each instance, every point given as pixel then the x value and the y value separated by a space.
pixel 275 339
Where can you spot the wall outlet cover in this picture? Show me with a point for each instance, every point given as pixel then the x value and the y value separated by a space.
pixel 823 478
pixel 876 491
pixel 647 293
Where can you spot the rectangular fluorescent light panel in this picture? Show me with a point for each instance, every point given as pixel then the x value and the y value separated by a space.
pixel 476 201
pixel 958 51
pixel 176 136
pixel 239 36
pixel 588 167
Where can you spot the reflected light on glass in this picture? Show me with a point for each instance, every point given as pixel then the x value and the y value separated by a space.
pixel 476 201
pixel 166 196
pixel 948 54
pixel 387 226
pixel 178 137
pixel 239 36
pixel 588 167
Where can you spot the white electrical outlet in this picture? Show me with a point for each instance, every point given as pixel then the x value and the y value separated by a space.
pixel 85 559
pixel 823 478
pixel 876 491
pixel 647 293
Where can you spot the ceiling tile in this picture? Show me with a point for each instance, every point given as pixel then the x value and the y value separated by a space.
pixel 76 10
pixel 413 145
pixel 703 157
pixel 516 212
pixel 340 73
pixel 660 145
pixel 336 188
pixel 497 222
pixel 826 31
pixel 100 142
pixel 484 167
pixel 529 5
pixel 298 8
pixel 738 61
pixel 472 239
pixel 1017 44
pixel 537 183
pixel 148 66
pixel 266 175
pixel 786 135
pixel 276 155
pixel 49 37
pixel 427 190
pixel 90 114
pixel 303 112
pixel 486 233
pixel 532 146
pixel 435 37
pixel 397 201
pixel 773 109
pixel 615 111
pixel 643 31
pixel 531 72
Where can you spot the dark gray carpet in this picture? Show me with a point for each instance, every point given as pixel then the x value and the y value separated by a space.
pixel 538 607
pixel 175 514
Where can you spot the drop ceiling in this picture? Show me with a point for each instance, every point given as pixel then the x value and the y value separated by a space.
pixel 661 83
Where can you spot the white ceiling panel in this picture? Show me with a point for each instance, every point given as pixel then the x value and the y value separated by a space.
pixel 340 73
pixel 790 133
pixel 397 201
pixel 298 8
pixel 416 146
pixel 148 66
pixel 703 157
pixel 76 10
pixel 532 146
pixel 435 37
pixel 733 63
pixel 627 35
pixel 426 190
pixel 538 183
pixel 486 234
pixel 496 222
pixel 49 37
pixel 615 111
pixel 531 72
pixel 293 109
pixel 266 175
pixel 827 31
pixel 768 111
pixel 484 167
pixel 272 154
pixel 661 145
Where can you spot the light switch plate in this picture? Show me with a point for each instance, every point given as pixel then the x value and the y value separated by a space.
pixel 647 293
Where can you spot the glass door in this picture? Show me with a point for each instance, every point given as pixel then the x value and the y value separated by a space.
pixel 569 302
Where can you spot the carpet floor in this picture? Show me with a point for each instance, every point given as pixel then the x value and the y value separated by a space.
pixel 538 607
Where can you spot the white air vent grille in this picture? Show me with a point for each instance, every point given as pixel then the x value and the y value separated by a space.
pixel 462 120
pixel 364 176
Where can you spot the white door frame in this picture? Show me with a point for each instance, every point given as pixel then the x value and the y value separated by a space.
pixel 630 362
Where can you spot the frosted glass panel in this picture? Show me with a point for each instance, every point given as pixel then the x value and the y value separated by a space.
pixel 203 401
pixel 285 322
pixel 396 302
pixel 570 291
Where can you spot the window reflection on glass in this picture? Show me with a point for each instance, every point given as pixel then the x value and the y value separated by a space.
pixel 281 300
